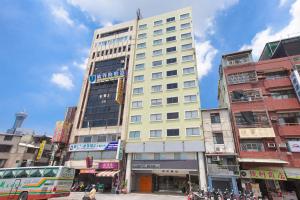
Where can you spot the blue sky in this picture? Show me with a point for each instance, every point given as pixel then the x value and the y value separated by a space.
pixel 44 45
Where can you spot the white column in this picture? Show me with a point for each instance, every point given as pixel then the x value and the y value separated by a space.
pixel 128 172
pixel 202 171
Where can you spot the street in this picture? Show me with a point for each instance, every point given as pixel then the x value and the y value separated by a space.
pixel 131 196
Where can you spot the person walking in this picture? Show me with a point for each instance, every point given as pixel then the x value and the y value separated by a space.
pixel 92 194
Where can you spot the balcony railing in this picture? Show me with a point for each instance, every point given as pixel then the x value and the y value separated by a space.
pixel 223 170
pixel 289 130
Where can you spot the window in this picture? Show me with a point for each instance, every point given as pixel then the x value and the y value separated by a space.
pixel 171 60
pixel 158 32
pixel 187 58
pixel 171 86
pixel 30 150
pixel 172 132
pixel 215 118
pixel 139 66
pixel 35 173
pixel 170 29
pixel 190 98
pixel 189 84
pixel 186 35
pixel 142 35
pixel 157 42
pixel 252 119
pixel 157 52
pixel 283 94
pixel 218 138
pixel 171 49
pixel 156 102
pixel 157 75
pixel 50 172
pixel 191 114
pixel 137 104
pixel 276 75
pixel 192 131
pixel 143 26
pixel 252 145
pixel 172 73
pixel 134 134
pixel 290 119
pixel 186 46
pixel 172 100
pixel 158 22
pixel 185 16
pixel 138 78
pixel 141 45
pixel 87 139
pixel 135 118
pixel 245 95
pixel 170 39
pixel 185 25
pixel 140 55
pixel 171 19
pixel 8 137
pixel 156 88
pixel 156 117
pixel 242 77
pixel 157 63
pixel 155 133
pixel 173 115
pixel 138 90
pixel 188 70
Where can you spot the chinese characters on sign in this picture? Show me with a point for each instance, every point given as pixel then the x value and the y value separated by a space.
pixel 108 165
pixel 93 146
pixel 107 76
pixel 272 174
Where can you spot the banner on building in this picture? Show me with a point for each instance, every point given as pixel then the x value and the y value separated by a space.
pixel 294 146
pixel 70 114
pixel 101 146
pixel 256 132
pixel 106 76
pixel 41 150
pixel 270 174
pixel 62 131
pixel 292 173
pixel 119 155
pixel 119 93
pixel 108 165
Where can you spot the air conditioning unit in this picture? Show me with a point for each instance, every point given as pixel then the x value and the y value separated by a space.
pixel 245 174
pixel 271 145
pixel 219 149
pixel 274 118
pixel 282 145
pixel 215 158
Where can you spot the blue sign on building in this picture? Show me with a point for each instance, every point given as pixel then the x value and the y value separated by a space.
pixel 106 76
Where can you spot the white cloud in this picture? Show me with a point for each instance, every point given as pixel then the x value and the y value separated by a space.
pixel 268 35
pixel 81 65
pixel 283 3
pixel 105 11
pixel 61 14
pixel 63 79
pixel 205 54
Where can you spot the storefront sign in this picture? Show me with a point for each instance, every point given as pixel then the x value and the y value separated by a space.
pixel 145 166
pixel 271 174
pixel 107 76
pixel 41 150
pixel 119 95
pixel 61 133
pixel 294 146
pixel 87 171
pixel 292 173
pixel 119 155
pixel 295 79
pixel 256 132
pixel 108 165
pixel 93 146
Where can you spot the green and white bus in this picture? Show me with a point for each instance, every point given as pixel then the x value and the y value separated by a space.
pixel 27 183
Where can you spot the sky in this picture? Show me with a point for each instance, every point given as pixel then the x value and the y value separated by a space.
pixel 44 45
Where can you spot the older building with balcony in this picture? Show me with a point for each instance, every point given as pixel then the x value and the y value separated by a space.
pixel 221 161
pixel 263 98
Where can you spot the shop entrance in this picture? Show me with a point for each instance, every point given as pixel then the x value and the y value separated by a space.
pixel 222 184
pixel 171 184
pixel 145 184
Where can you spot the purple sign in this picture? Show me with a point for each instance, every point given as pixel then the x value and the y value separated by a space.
pixel 112 146
pixel 108 165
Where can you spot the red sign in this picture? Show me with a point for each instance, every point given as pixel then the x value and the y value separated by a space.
pixel 108 165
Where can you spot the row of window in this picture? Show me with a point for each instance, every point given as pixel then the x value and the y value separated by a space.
pixel 183 36
pixel 165 156
pixel 169 86
pixel 159 75
pixel 191 114
pixel 187 58
pixel 159 63
pixel 170 100
pixel 168 20
pixel 171 29
pixel 193 131
pixel 168 50
pixel 111 51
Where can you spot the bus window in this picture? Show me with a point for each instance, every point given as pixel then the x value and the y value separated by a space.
pixel 1 173
pixel 50 172
pixel 8 174
pixel 22 173
pixel 35 173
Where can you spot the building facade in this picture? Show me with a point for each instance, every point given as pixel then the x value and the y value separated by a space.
pixel 265 116
pixel 99 120
pixel 164 138
pixel 221 158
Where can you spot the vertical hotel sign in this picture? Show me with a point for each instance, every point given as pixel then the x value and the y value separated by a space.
pixel 41 150
pixel 119 94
